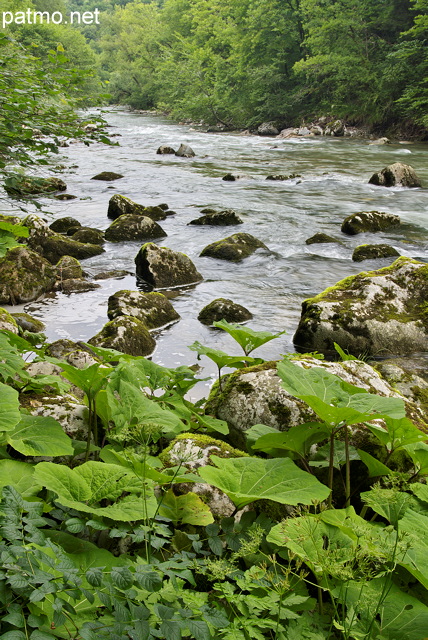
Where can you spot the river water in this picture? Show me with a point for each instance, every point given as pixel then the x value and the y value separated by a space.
pixel 272 284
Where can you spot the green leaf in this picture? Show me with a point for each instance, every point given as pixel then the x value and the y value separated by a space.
pixel 418 452
pixel 70 487
pixel 9 408
pixel 40 436
pixel 297 439
pixel 122 578
pixel 247 479
pixel 170 630
pixel 212 424
pixel 20 475
pixel 220 358
pixel 389 503
pixel 11 361
pixel 14 635
pixel 40 635
pixel 255 432
pixel 90 380
pixel 399 432
pixel 375 467
pixel 188 509
pixel 199 629
pixel 247 338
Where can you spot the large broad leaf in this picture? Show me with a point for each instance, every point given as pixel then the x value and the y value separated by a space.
pixel 416 558
pixel 247 479
pixel 220 358
pixel 10 360
pixel 375 467
pixel 298 439
pixel 247 338
pixel 9 408
pixel 40 436
pixel 90 380
pixel 188 509
pixel 399 432
pixel 19 475
pixel 418 451
pixel 388 503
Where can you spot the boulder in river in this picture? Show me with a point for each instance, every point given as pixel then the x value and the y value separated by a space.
pixel 234 248
pixel 268 129
pixel 380 141
pixel 283 176
pixel 8 322
pixel 218 218
pixel 62 225
pixel 26 322
pixel 321 238
pixel 165 150
pixel 396 175
pixel 223 309
pixel 119 205
pixel 133 227
pixel 26 185
pixel 157 213
pixel 164 268
pixel 107 176
pixel 373 252
pixel 24 276
pixel 153 309
pixel 369 221
pixel 184 151
pixel 88 235
pixel 335 128
pixel 53 246
pixel 127 335
pixel 76 285
pixel 374 313
pixel 68 267
pixel 65 196
pixel 255 395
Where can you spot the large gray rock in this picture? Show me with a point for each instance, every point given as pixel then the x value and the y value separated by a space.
pixel 376 313
pixel 234 248
pixel 127 335
pixel 224 309
pixel 184 151
pixel 121 205
pixel 24 276
pixel 397 174
pixel 28 323
pixel 335 128
pixel 369 221
pixel 66 409
pixel 53 246
pixel 267 129
pixel 133 227
pixel 164 268
pixel 153 309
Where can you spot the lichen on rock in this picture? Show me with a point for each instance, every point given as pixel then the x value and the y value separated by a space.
pixel 26 322
pixel 218 218
pixel 397 174
pixel 234 248
pixel 8 322
pixel 24 276
pixel 133 227
pixel 125 334
pixel 223 309
pixel 164 268
pixel 153 309
pixel 373 252
pixel 369 221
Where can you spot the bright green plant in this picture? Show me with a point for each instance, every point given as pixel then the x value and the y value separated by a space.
pixel 247 338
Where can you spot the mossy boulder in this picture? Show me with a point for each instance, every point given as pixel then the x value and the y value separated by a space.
pixel 165 150
pixel 66 409
pixel 24 276
pixel 375 313
pixel 256 396
pixel 406 382
pixel 234 248
pixel 156 212
pixel 26 185
pixel 8 322
pixel 268 129
pixel 53 246
pixel 369 221
pixel 77 354
pixel 127 335
pixel 69 267
pixel 164 268
pixel 397 174
pixel 133 227
pixel 76 285
pixel 121 205
pixel 153 309
pixel 218 218
pixel 107 176
pixel 224 309
pixel 27 322
pixel 184 151
pixel 65 196
pixel 373 252
pixel 87 235
pixel 114 273
pixel 62 225
pixel 321 238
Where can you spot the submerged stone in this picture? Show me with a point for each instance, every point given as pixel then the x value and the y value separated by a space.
pixel 107 176
pixel 375 313
pixel 28 323
pixel 369 221
pixel 224 309
pixel 153 309
pixel 321 238
pixel 234 248
pixel 24 276
pixel 397 174
pixel 133 227
pixel 127 335
pixel 165 150
pixel 373 251
pixel 164 268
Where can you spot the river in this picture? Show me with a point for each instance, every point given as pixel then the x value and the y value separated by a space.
pixel 334 184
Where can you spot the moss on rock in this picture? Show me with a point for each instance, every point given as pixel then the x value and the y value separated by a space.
pixel 8 322
pixel 369 221
pixel 373 252
pixel 218 218
pixel 234 248
pixel 133 227
pixel 164 268
pixel 88 235
pixel 28 323
pixel 24 276
pixel 62 225
pixel 224 309
pixel 153 309
pixel 127 335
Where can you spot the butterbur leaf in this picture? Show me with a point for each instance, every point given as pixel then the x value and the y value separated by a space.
pixel 188 509
pixel 247 338
pixel 20 476
pixel 279 479
pixel 418 451
pixel 298 439
pixel 220 358
pixel 375 467
pixel 389 503
pixel 399 432
pixel 9 408
pixel 40 436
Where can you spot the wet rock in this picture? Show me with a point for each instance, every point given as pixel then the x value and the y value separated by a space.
pixel 157 213
pixel 256 396
pixel 406 382
pixel 65 196
pixel 316 130
pixel 397 174
pixel 290 132
pixel 133 227
pixel 77 354
pixel 88 236
pixel 303 131
pixel 62 225
pixel 115 273
pixel 24 276
pixel 119 205
pixel 224 309
pixel 373 251
pixel 218 218
pixel 107 176
pixel 68 267
pixel 267 129
pixel 75 286
pixel 27 322
pixel 8 322
pixel 375 313
pixel 320 238
pixel 164 268
pixel 208 210
pixel 369 221
pixel 335 128
pixel 184 151
pixel 26 185
pixel 282 176
pixel 127 335
pixel 154 310
pixel 165 150
pixel 229 177
pixel 380 141
pixel 234 248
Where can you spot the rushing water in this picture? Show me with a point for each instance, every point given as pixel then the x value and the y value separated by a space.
pixel 334 184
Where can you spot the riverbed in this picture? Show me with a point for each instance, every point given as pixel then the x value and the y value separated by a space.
pixel 271 284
